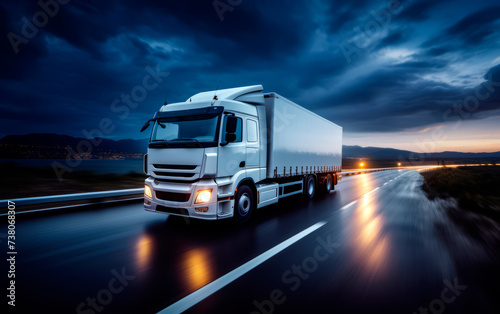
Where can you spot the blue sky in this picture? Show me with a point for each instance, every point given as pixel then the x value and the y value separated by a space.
pixel 417 75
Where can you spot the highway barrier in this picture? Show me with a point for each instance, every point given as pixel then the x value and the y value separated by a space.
pixel 361 171
pixel 97 196
pixel 53 199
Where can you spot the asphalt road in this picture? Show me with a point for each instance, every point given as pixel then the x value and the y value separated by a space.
pixel 377 245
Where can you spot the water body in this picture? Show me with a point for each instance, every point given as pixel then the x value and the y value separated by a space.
pixel 97 166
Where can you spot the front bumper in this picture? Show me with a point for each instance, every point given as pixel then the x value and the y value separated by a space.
pixel 183 208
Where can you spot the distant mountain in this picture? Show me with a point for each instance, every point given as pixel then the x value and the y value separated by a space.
pixel 391 153
pixel 373 152
pixel 54 146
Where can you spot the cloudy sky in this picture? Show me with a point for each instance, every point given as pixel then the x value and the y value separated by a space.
pixel 418 75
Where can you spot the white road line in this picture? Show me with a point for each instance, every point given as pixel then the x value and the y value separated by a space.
pixel 371 191
pixel 349 205
pixel 207 290
pixel 386 183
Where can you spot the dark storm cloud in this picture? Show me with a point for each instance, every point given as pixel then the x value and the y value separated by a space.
pixel 85 73
pixel 493 78
pixel 65 79
pixel 84 25
pixel 400 100
pixel 474 29
pixel 12 65
pixel 395 38
pixel 418 10
pixel 475 23
pixel 340 13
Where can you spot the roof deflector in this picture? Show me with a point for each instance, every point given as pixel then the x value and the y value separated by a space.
pixel 252 94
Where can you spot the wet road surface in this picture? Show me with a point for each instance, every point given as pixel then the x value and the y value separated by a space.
pixel 380 246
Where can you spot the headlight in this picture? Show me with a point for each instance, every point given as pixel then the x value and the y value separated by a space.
pixel 147 191
pixel 203 196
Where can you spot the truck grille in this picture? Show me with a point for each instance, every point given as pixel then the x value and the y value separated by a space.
pixel 177 167
pixel 174 174
pixel 172 197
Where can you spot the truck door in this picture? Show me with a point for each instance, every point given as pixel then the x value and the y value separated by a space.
pixel 252 158
pixel 232 156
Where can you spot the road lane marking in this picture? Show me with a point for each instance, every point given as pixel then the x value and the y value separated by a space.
pixel 207 290
pixel 372 191
pixel 349 205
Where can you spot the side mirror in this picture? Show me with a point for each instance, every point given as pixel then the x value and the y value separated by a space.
pixel 145 126
pixel 230 137
pixel 231 124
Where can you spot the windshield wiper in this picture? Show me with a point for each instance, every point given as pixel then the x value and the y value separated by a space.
pixel 164 142
pixel 188 139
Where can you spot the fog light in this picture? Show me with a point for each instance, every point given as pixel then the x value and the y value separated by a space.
pixel 201 209
pixel 147 202
pixel 147 191
pixel 203 196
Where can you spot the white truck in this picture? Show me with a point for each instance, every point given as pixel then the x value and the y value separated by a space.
pixel 225 153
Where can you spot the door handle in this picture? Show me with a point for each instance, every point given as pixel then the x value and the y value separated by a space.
pixel 242 164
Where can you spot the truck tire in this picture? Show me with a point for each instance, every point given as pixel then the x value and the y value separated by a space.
pixel 244 204
pixel 310 186
pixel 328 186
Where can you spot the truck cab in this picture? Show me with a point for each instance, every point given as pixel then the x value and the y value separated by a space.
pixel 201 150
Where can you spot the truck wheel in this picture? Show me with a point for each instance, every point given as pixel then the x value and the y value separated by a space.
pixel 243 204
pixel 310 186
pixel 328 186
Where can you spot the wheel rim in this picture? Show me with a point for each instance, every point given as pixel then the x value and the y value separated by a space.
pixel 328 183
pixel 244 204
pixel 310 186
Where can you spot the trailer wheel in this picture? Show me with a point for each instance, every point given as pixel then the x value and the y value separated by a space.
pixel 310 186
pixel 243 204
pixel 328 186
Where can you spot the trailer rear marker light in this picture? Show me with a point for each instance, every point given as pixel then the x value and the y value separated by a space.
pixel 214 286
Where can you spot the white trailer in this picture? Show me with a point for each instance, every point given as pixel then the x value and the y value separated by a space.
pixel 224 153
pixel 300 141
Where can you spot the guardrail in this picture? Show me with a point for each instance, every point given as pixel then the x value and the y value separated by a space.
pixel 361 171
pixel 116 193
pixel 70 197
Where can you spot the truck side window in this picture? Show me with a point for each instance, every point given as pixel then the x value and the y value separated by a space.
pixel 238 129
pixel 252 131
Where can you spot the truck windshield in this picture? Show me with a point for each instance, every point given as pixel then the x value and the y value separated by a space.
pixel 194 131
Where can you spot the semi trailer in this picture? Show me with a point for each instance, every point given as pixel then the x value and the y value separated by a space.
pixel 224 153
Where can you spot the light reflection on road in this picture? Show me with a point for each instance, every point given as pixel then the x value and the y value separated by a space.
pixel 368 244
pixel 197 268
pixel 143 252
